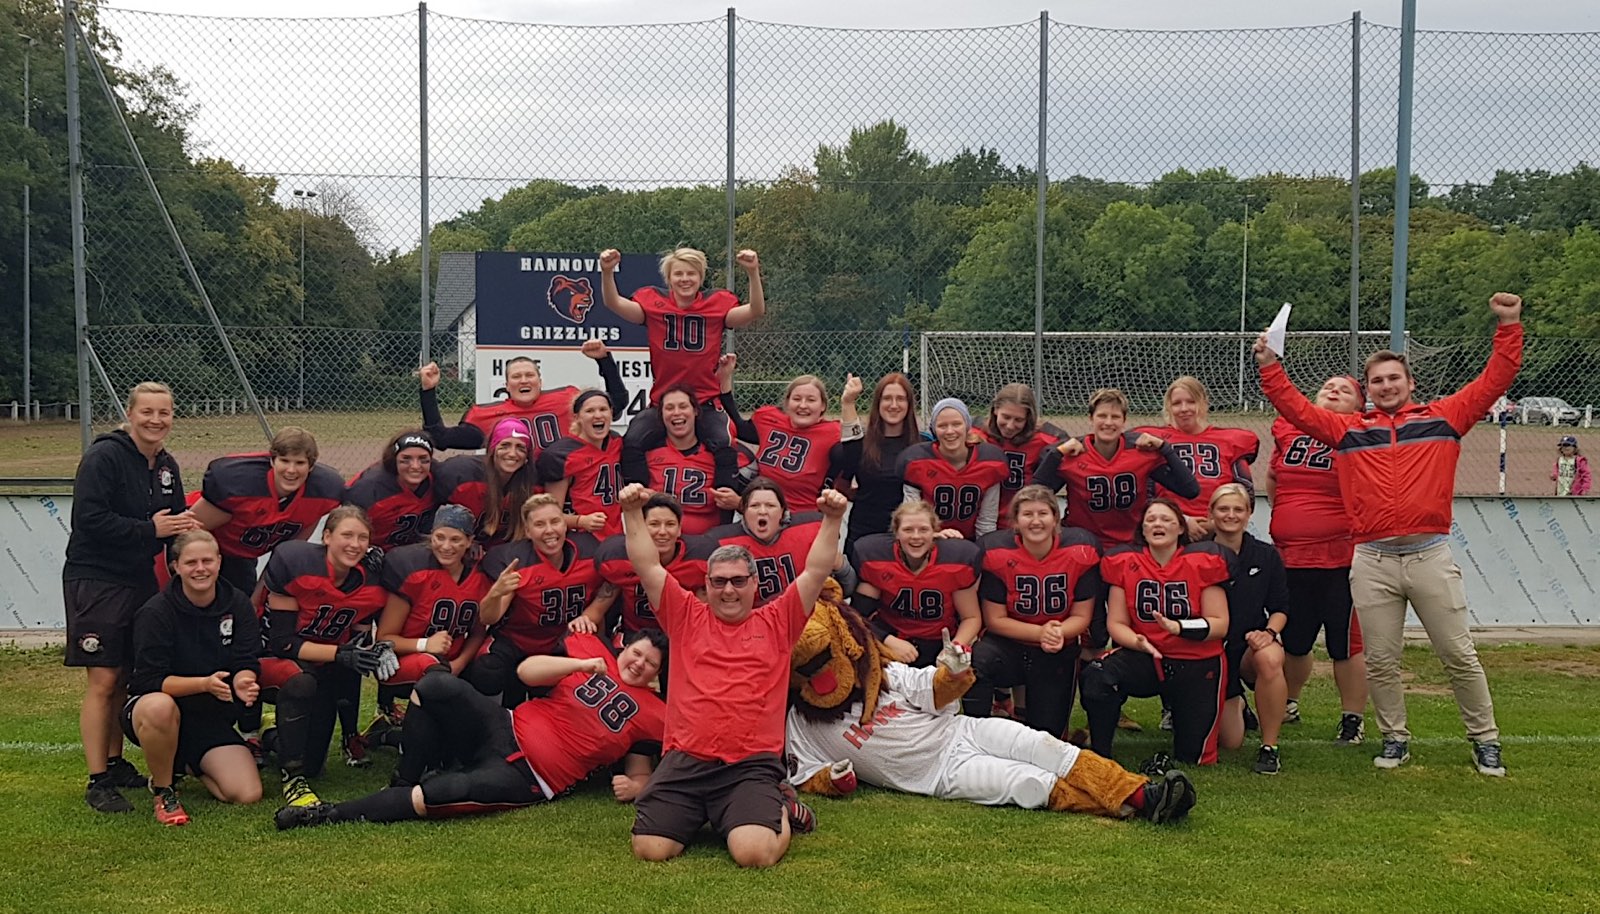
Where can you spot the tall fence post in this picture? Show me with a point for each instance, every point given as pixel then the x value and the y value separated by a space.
pixel 1044 187
pixel 426 355
pixel 27 231
pixel 1355 194
pixel 80 299
pixel 1402 177
pixel 728 180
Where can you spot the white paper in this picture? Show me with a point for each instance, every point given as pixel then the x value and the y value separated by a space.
pixel 1278 330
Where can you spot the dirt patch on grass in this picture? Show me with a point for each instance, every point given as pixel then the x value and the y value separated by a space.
pixel 1577 667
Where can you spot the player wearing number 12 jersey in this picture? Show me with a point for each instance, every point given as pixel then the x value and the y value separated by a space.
pixel 914 585
pixel 686 469
pixel 956 473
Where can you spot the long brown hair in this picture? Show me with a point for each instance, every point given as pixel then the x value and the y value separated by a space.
pixel 872 443
pixel 514 491
pixel 1014 395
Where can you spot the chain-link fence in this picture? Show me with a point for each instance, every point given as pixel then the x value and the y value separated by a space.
pixel 895 182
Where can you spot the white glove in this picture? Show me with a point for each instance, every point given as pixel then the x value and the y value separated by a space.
pixel 388 663
pixel 955 657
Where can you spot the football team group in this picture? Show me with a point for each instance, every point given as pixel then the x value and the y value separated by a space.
pixel 517 603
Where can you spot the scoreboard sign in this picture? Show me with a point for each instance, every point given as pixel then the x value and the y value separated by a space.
pixel 545 306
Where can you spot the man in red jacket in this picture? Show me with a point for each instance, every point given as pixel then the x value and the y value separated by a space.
pixel 1397 470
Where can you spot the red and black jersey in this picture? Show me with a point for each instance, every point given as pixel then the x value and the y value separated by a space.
pixel 687 566
pixel 399 516
pixel 589 720
pixel 439 603
pixel 1215 456
pixel 1172 590
pixel 549 596
pixel 1309 524
pixel 550 413
pixel 243 486
pixel 917 604
pixel 685 343
pixel 797 459
pixel 596 474
pixel 327 612
pixel 1037 591
pixel 779 562
pixel 689 476
pixel 1022 460
pixel 956 493
pixel 1106 496
pixel 462 480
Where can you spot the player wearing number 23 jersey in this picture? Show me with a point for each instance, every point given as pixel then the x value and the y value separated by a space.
pixel 957 493
pixel 799 458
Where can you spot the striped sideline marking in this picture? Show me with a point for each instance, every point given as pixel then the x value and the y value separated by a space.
pixel 1534 739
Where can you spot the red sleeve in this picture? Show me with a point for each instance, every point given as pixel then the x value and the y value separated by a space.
pixel 672 609
pixel 795 613
pixel 1322 424
pixel 1466 406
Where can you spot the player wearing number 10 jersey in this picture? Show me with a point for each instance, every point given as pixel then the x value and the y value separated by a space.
pixel 914 585
pixel 956 473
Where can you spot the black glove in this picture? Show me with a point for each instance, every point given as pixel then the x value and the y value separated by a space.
pixel 363 660
pixel 373 561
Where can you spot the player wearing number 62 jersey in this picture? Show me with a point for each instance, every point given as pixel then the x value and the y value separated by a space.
pixel 915 585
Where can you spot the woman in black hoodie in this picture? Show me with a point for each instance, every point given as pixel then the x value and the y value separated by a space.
pixel 127 501
pixel 196 660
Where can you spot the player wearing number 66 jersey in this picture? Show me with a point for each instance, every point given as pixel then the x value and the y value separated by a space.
pixel 914 585
pixel 956 473
pixel 398 492
pixel 1168 614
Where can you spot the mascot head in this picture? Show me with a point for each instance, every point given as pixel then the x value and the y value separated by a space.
pixel 571 298
pixel 836 662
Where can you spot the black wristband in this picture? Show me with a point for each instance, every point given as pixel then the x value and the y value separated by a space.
pixel 1194 629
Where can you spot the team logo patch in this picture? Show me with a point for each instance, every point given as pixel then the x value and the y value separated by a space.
pixel 225 628
pixel 89 644
pixel 571 298
pixel 166 479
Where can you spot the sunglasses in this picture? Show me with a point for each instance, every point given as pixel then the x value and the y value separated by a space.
pixel 738 581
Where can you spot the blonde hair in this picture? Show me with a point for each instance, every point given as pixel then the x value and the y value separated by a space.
pixel 343 513
pixel 913 507
pixel 1029 494
pixel 1109 395
pixel 189 538
pixel 1195 388
pixel 690 256
pixel 147 387
pixel 537 500
pixel 1232 488
pixel 803 380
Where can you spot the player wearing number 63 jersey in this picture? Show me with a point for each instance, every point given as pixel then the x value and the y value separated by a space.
pixel 956 473
pixel 915 585
pixel 599 711
pixel 1213 454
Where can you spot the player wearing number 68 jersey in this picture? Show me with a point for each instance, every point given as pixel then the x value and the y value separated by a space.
pixel 398 492
pixel 1015 429
pixel 956 472
pixel 914 585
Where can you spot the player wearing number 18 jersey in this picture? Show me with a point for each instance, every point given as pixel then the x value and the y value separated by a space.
pixel 914 585
pixel 956 472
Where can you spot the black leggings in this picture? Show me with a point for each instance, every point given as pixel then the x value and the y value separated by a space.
pixel 1193 689
pixel 308 703
pixel 455 727
pixel 1049 678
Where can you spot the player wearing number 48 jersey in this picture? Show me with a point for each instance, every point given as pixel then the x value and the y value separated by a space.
pixel 914 585
pixel 599 711
pixel 956 473
pixel 253 502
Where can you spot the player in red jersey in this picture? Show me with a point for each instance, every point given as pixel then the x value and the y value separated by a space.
pixel 434 588
pixel 957 473
pixel 318 599
pixel 796 446
pixel 776 539
pixel 253 502
pixel 683 556
pixel 1168 616
pixel 872 463
pixel 1015 429
pixel 599 711
pixel 397 492
pixel 1039 588
pixel 552 580
pixel 1312 532
pixel 685 326
pixel 494 485
pixel 547 412
pixel 585 469
pixel 913 585
pixel 686 469
pixel 1213 454
pixel 725 737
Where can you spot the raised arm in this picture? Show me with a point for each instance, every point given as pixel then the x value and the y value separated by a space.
pixel 1466 406
pixel 824 549
pixel 463 437
pixel 743 428
pixel 642 549
pixel 756 303
pixel 1324 425
pixel 616 391
pixel 625 308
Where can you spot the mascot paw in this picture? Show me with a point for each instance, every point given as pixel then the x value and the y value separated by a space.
pixel 955 657
pixel 843 777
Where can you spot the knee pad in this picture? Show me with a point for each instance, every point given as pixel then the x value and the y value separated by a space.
pixel 300 687
pixel 1098 686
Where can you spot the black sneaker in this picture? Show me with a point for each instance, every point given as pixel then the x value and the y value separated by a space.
pixel 802 821
pixel 1251 722
pixel 1168 799
pixel 1395 753
pixel 1486 756
pixel 1267 761
pixel 1352 730
pixel 288 817
pixel 1156 766
pixel 103 797
pixel 122 774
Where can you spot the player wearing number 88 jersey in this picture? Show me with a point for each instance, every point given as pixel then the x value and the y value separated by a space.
pixel 914 585
pixel 956 473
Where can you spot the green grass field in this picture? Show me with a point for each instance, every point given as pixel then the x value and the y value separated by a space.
pixel 1330 834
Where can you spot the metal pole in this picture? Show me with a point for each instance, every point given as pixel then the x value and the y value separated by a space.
pixel 1402 177
pixel 111 392
pixel 729 178
pixel 305 197
pixel 1038 228
pixel 1355 194
pixel 1244 281
pixel 27 236
pixel 422 86
pixel 80 300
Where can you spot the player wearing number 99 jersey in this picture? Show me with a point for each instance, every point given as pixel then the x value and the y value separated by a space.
pixel 428 598
pixel 914 585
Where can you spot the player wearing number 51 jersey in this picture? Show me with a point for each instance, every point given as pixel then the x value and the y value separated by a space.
pixel 777 540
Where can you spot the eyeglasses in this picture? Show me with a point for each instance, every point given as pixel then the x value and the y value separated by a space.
pixel 738 581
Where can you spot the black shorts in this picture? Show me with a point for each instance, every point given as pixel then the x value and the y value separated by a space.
pixel 686 792
pixel 100 620
pixel 201 728
pixel 1321 601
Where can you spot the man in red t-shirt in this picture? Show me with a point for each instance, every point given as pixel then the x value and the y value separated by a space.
pixel 724 738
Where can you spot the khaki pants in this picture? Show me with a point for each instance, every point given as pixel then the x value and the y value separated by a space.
pixel 1380 587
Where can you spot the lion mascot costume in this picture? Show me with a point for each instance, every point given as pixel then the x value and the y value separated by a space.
pixel 855 714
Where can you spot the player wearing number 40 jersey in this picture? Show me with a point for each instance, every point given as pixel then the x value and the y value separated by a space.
pixel 1015 429
pixel 545 411
pixel 956 473
pixel 543 583
pixel 398 492
pixel 776 539
pixel 915 585
pixel 586 468
pixel 684 557
pixel 1213 454
pixel 599 711
pixel 253 502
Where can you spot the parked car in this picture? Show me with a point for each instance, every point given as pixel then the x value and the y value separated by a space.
pixel 1503 410
pixel 1546 411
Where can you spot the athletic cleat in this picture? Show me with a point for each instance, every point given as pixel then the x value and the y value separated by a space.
pixel 257 751
pixel 168 810
pixel 354 750
pixel 1127 723
pixel 1168 799
pixel 384 730
pixel 1395 753
pixel 297 791
pixel 122 774
pixel 1166 720
pixel 1267 761
pixel 102 797
pixel 288 817
pixel 802 821
pixel 1351 730
pixel 1486 755
pixel 1156 766
pixel 1251 722
pixel 1291 712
